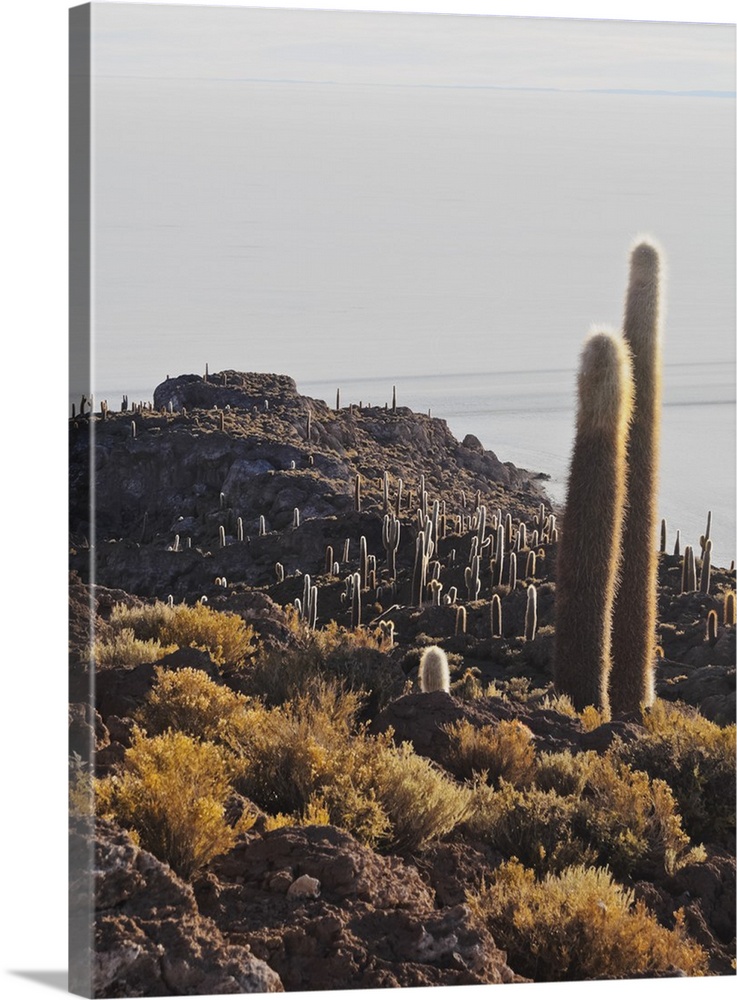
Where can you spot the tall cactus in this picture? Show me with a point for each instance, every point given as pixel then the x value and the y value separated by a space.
pixel 592 524
pixel 390 538
pixel 634 639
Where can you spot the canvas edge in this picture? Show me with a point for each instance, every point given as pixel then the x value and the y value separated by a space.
pixel 81 848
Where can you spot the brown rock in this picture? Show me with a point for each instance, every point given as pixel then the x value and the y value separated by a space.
pixel 375 923
pixel 149 938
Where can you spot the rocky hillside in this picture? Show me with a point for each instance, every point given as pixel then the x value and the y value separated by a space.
pixel 235 448
pixel 281 804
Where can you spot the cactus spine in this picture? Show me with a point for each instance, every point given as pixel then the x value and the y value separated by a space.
pixel 592 524
pixel 632 681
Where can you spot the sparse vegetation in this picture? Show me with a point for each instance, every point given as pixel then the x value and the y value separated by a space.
pixel 580 924
pixel 171 794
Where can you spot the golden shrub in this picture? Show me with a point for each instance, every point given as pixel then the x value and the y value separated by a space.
pixel 172 794
pixel 540 828
pixel 123 649
pixel 563 772
pixel 146 621
pixel 309 755
pixel 696 758
pixel 348 657
pixel 226 637
pixel 188 701
pixel 632 820
pixel 504 751
pixel 580 924
pixel 421 803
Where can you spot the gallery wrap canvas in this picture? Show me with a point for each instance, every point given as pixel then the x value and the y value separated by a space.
pixel 402 500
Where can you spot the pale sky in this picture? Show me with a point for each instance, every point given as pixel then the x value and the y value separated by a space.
pixel 389 49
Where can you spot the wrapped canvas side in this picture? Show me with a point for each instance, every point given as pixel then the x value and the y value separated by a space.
pixel 81 844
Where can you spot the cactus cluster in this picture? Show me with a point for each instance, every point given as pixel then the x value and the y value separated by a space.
pixel 607 558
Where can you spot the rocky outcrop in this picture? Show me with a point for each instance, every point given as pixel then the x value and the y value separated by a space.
pixel 149 938
pixel 327 913
pixel 705 892
pixel 247 445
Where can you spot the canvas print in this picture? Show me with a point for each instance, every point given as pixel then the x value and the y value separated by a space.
pixel 402 500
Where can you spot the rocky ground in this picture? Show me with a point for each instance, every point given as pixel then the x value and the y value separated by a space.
pixel 196 498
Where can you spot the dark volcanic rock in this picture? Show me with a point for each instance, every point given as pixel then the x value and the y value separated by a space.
pixel 373 922
pixel 149 937
pixel 711 689
pixel 705 892
pixel 238 446
pixel 420 719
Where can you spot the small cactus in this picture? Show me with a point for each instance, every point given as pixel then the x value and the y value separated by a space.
pixel 688 571
pixel 531 614
pixel 222 536
pixel 496 617
pixel 357 493
pixel 434 672
pixel 729 608
pixel 711 628
pixel 460 621
pixel 355 585
pixel 295 518
pixel 705 578
pixel 262 525
pixel 279 571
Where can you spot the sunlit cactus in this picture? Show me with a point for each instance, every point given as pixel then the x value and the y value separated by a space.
pixel 588 553
pixel 632 681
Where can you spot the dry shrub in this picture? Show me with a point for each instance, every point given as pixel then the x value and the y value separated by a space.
pixel 697 760
pixel 146 621
pixel 580 925
pixel 584 809
pixel 422 804
pixel 308 758
pixel 541 828
pixel 188 701
pixel 171 795
pixel 225 636
pixel 632 820
pixel 350 657
pixel 563 772
pixel 123 649
pixel 504 751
